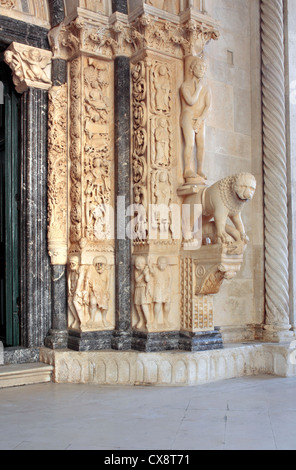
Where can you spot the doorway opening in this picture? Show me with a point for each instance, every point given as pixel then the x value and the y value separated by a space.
pixel 9 210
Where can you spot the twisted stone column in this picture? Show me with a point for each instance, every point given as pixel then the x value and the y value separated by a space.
pixel 275 170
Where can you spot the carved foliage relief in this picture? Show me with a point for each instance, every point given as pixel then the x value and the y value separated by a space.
pixel 57 174
pixel 75 151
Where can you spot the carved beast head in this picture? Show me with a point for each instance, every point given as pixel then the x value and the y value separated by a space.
pixel 244 186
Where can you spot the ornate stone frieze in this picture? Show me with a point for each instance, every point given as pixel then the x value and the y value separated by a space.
pixel 31 67
pixel 120 37
pixel 57 174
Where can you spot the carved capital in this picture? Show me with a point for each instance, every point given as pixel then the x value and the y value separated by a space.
pixel 119 36
pixel 31 67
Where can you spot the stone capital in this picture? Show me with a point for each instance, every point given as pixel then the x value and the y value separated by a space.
pixel 31 67
pixel 93 34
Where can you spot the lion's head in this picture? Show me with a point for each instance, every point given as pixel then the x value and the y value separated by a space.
pixel 244 186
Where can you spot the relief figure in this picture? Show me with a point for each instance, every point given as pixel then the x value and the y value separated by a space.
pixel 142 295
pixel 97 286
pixel 162 292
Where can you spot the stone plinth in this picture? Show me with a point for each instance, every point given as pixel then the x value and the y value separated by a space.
pixel 169 368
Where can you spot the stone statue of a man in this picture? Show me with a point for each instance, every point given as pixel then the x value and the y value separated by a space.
pixel 196 101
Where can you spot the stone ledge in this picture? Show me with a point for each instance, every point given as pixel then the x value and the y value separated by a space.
pixel 171 368
pixel 24 374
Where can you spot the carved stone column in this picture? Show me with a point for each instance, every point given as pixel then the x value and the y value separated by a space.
pixel 157 72
pixel 277 321
pixel 58 205
pixel 91 253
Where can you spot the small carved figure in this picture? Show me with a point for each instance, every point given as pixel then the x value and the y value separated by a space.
pixel 163 88
pixel 142 295
pixel 36 63
pixel 196 102
pixel 97 286
pixel 162 291
pixel 162 143
pixel 163 190
pixel 163 195
pixel 75 294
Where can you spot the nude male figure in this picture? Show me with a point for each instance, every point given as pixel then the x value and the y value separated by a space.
pixel 196 101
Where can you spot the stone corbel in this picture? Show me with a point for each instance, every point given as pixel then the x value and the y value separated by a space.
pixel 31 67
pixel 214 264
pixel 202 275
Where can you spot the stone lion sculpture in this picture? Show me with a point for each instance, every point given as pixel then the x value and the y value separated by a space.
pixel 222 201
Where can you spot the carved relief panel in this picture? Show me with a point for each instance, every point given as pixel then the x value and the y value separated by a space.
pixel 91 194
pixel 57 174
pixel 154 293
pixel 154 141
pixel 155 170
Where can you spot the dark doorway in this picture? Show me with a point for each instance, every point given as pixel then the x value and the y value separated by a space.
pixel 9 213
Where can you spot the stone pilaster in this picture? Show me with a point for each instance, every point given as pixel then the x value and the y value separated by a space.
pixel 122 334
pixel 35 264
pixel 277 321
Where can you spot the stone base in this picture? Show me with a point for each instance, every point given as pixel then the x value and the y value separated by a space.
pixel 20 355
pixel 273 334
pixel 155 342
pixel 24 374
pixel 200 341
pixel 56 339
pixel 170 368
pixel 121 341
pixel 89 341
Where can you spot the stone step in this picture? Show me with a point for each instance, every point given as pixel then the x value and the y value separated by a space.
pixel 24 374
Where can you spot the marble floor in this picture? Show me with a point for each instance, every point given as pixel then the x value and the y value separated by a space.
pixel 252 413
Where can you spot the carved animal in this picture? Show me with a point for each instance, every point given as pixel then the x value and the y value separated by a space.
pixel 225 199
